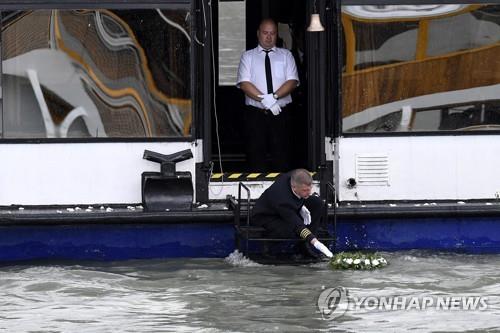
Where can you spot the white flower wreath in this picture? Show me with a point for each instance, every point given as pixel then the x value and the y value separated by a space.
pixel 357 260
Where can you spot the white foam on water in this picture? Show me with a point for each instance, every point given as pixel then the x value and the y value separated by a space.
pixel 237 259
pixel 410 258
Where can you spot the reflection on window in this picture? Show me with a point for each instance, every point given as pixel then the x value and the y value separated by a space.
pixel 96 73
pixel 231 39
pixel 473 29
pixel 421 68
pixel 380 44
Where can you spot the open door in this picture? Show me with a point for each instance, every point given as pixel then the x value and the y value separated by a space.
pixel 235 30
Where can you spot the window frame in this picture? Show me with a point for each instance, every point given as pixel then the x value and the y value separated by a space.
pixel 118 4
pixel 340 61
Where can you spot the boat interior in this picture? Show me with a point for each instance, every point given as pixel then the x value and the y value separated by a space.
pixel 228 151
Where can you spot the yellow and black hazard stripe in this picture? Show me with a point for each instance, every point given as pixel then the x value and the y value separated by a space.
pixel 253 176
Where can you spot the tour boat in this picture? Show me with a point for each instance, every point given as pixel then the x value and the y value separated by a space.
pixel 121 130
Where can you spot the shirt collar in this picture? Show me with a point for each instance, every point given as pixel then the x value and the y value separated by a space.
pixel 261 49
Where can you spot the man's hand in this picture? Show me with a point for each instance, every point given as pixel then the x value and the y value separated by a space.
pixel 275 109
pixel 268 101
pixel 306 215
pixel 321 248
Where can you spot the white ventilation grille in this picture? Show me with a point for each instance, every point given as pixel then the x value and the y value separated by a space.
pixel 372 169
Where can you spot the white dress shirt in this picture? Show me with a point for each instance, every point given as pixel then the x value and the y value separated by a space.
pixel 252 69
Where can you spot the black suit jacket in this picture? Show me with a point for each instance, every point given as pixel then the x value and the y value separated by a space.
pixel 279 202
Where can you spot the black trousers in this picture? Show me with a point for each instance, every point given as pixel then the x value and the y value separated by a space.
pixel 268 140
pixel 283 229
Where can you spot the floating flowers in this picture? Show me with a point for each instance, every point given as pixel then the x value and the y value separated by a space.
pixel 357 260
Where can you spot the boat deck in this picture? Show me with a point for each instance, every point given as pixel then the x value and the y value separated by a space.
pixel 109 214
pixel 222 211
pixel 399 209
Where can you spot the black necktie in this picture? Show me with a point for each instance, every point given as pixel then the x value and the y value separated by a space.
pixel 269 75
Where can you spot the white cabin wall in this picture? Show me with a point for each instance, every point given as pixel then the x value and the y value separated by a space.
pixel 79 173
pixel 425 167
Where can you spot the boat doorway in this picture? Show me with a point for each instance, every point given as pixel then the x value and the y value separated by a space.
pixel 235 30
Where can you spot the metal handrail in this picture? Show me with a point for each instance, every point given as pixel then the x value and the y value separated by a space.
pixel 240 185
pixel 238 211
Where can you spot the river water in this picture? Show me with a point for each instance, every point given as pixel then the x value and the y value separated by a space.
pixel 238 295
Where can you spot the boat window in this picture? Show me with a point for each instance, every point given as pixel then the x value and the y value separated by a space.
pixel 96 73
pixel 472 29
pixel 411 68
pixel 232 41
pixel 380 44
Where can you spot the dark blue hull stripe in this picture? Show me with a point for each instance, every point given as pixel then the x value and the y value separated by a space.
pixel 209 240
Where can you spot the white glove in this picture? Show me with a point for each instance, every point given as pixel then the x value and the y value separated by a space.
pixel 268 100
pixel 306 215
pixel 275 109
pixel 323 249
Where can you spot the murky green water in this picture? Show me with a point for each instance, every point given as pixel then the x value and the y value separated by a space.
pixel 236 295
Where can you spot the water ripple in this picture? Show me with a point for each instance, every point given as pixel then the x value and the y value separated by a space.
pixel 238 295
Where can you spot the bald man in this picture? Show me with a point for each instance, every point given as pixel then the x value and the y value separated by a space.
pixel 267 75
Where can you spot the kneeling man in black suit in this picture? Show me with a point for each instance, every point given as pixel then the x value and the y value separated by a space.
pixel 288 210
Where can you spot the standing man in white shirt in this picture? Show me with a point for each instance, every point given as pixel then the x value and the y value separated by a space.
pixel 267 75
